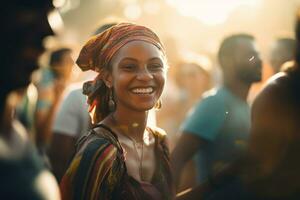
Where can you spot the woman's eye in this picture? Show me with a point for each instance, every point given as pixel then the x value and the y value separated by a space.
pixel 128 67
pixel 155 66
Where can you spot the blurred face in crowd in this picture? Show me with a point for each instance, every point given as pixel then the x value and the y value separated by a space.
pixel 193 79
pixel 281 52
pixel 138 76
pixel 27 25
pixel 276 58
pixel 66 63
pixel 248 64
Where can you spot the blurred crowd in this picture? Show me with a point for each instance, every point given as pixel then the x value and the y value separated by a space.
pixel 232 129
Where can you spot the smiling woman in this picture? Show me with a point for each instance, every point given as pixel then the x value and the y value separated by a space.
pixel 122 157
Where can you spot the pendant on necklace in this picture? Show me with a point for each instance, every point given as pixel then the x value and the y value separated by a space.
pixel 135 125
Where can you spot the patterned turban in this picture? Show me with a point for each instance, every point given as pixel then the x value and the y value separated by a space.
pixel 99 50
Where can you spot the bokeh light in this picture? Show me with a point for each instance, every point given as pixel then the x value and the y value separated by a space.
pixel 211 12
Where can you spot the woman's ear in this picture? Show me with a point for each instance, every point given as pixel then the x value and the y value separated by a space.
pixel 107 79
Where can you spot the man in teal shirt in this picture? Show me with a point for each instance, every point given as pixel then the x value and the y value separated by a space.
pixel 217 128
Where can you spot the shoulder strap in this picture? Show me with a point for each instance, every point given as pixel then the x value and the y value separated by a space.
pixel 157 131
pixel 160 139
pixel 121 167
pixel 163 179
pixel 109 135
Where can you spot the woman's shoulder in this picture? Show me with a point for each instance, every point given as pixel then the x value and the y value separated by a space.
pixel 92 165
pixel 157 132
pixel 98 139
pixel 161 138
pixel 93 151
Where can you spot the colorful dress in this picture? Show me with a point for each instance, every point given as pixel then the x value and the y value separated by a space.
pixel 98 170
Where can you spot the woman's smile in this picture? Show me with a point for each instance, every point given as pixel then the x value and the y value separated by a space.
pixel 143 90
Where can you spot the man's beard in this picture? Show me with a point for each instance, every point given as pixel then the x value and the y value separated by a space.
pixel 249 76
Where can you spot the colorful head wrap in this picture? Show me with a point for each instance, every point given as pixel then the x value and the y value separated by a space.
pixel 97 53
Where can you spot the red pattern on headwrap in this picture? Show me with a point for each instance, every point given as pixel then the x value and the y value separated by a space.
pixel 99 50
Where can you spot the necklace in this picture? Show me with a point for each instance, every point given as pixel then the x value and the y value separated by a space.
pixel 136 145
pixel 139 157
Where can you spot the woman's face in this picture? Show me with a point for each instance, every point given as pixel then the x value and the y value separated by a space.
pixel 138 75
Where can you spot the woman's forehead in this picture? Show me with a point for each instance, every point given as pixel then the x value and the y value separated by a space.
pixel 139 50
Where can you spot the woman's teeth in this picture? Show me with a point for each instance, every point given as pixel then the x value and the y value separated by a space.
pixel 143 90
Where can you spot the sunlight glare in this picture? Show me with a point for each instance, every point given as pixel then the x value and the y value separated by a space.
pixel 210 12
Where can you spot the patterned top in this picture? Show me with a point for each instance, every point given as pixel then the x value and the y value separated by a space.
pixel 98 170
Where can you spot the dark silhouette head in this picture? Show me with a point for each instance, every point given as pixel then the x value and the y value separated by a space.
pixel 239 59
pixel 26 27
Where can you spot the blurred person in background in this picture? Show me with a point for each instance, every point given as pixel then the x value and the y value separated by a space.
pixel 22 172
pixel 217 128
pixel 193 77
pixel 270 168
pixel 275 142
pixel 26 108
pixel 51 84
pixel 193 80
pixel 171 95
pixel 283 50
pixel 71 121
pixel 122 157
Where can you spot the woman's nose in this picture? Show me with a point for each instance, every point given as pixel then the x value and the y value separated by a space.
pixel 144 74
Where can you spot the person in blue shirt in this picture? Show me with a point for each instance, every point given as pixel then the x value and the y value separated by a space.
pixel 217 128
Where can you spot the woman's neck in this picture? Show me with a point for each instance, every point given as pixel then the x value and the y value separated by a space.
pixel 132 124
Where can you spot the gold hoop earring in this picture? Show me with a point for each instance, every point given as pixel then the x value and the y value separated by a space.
pixel 111 101
pixel 158 105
